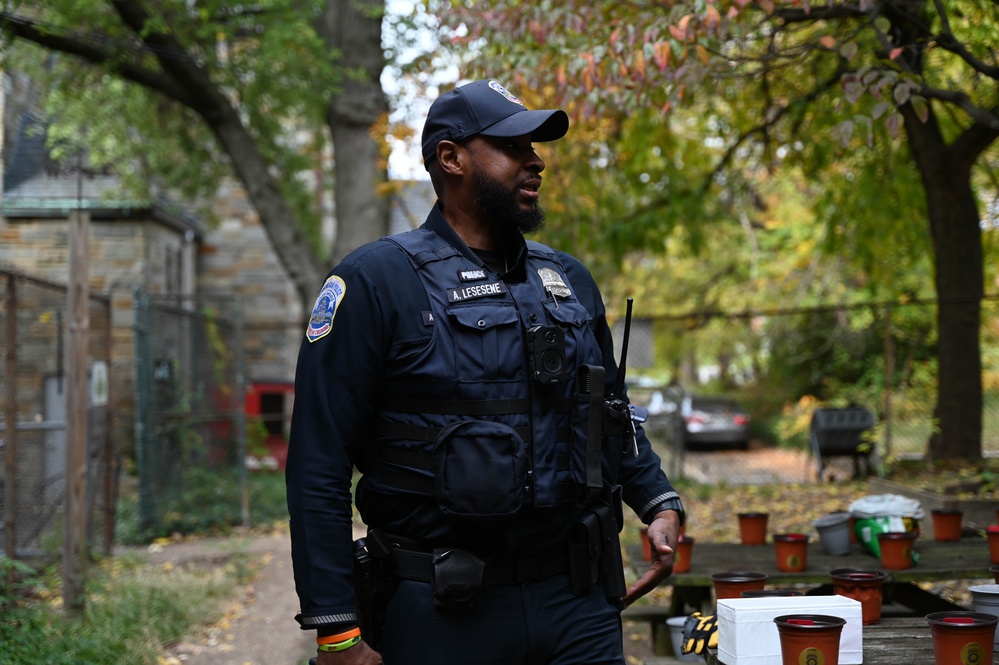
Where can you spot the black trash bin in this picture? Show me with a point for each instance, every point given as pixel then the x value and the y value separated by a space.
pixel 837 432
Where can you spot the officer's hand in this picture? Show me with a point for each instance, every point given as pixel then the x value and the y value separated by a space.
pixel 700 632
pixel 360 654
pixel 663 534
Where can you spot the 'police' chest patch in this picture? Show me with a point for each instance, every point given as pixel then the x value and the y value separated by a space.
pixel 330 297
pixel 476 291
pixel 471 275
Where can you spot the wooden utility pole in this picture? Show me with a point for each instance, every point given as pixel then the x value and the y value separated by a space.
pixel 74 541
pixel 10 428
pixel 889 381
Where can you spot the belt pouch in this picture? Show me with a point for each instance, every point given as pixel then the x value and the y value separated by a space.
pixel 456 579
pixel 584 553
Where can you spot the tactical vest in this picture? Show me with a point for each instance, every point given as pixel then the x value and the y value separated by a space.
pixel 464 418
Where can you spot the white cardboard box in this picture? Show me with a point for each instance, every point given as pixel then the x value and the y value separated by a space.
pixel 747 634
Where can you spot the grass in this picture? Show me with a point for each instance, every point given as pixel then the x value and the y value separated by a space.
pixel 132 609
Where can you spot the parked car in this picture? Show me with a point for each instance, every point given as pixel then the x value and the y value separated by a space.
pixel 713 421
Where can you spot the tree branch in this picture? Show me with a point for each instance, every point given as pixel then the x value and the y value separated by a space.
pixel 975 140
pixel 27 30
pixel 773 118
pixel 948 42
pixel 818 13
pixel 981 116
pixel 209 104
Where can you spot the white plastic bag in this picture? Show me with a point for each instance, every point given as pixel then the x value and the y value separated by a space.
pixel 884 513
pixel 887 505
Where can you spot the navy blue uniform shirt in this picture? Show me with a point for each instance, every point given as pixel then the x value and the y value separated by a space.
pixel 379 313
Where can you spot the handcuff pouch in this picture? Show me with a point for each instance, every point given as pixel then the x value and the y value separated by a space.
pixel 457 578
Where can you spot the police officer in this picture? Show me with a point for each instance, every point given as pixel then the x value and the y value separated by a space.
pixel 462 370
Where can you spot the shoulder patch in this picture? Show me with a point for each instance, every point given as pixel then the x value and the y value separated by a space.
pixel 330 297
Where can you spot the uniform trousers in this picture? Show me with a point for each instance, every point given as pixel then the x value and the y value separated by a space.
pixel 534 623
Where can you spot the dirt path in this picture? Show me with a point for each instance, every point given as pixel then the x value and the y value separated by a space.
pixel 257 627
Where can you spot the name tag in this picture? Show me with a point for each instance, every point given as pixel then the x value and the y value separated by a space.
pixel 476 291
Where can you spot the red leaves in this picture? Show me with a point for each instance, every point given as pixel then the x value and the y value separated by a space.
pixel 679 31
pixel 661 55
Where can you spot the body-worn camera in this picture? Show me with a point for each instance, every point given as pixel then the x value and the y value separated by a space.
pixel 546 352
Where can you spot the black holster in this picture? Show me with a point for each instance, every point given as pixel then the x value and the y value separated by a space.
pixel 595 547
pixel 584 552
pixel 372 588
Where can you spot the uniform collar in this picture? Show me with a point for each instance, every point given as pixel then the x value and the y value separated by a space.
pixel 516 246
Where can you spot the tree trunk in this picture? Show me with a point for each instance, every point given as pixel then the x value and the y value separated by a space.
pixel 354 29
pixel 957 244
pixel 204 98
pixel 291 246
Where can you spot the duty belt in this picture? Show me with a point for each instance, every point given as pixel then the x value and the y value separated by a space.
pixel 418 566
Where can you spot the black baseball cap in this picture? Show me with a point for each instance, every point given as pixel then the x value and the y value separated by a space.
pixel 487 108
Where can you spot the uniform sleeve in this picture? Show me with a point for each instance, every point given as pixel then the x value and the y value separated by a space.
pixel 339 361
pixel 644 484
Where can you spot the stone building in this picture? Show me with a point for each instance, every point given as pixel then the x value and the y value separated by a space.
pixel 160 248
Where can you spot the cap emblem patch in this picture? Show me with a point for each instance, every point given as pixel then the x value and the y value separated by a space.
pixel 506 93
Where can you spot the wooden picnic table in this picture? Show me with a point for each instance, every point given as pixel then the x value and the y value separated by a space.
pixel 964 560
pixel 892 641
pixel 967 559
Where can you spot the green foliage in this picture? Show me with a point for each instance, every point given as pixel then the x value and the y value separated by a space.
pixel 131 609
pixel 209 504
pixel 15 578
pixel 265 60
pixel 690 112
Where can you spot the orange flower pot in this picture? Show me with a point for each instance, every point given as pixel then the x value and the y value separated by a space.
pixel 993 535
pixel 862 585
pixel 947 524
pixel 684 549
pixel 896 549
pixel 753 528
pixel 732 584
pixel 792 551
pixel 809 638
pixel 960 638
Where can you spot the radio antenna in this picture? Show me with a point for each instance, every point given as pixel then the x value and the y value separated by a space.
pixel 619 385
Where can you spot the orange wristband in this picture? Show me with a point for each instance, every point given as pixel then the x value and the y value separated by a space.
pixel 340 637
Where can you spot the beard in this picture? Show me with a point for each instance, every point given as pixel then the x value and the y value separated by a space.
pixel 501 208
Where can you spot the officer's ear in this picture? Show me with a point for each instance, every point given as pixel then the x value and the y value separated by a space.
pixel 451 157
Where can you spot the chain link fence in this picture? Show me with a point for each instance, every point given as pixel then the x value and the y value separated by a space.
pixel 781 366
pixel 34 327
pixel 190 423
pixel 191 441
